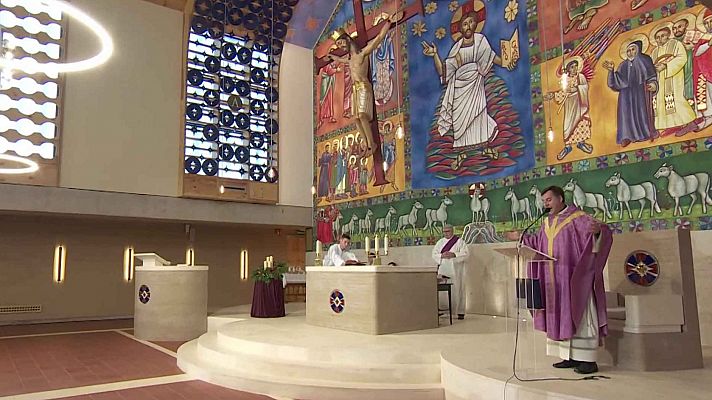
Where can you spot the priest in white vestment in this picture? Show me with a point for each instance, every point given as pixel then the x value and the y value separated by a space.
pixel 339 254
pixel 450 253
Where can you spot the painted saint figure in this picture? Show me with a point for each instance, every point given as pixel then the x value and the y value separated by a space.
pixel 463 109
pixel 574 102
pixel 702 70
pixel 672 111
pixel 636 82
pixel 383 64
pixel 679 30
pixel 324 172
pixel 358 60
pixel 326 94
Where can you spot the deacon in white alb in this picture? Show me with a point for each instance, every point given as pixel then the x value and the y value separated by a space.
pixel 451 255
pixel 339 253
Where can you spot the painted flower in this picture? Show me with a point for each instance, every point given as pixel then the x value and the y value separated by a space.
pixel 567 168
pixel 452 6
pixel 540 155
pixel 538 108
pixel 510 12
pixel 664 151
pixel 690 3
pixel 584 165
pixel 616 227
pixel 621 158
pixel 625 25
pixel 419 28
pixel 689 146
pixel 682 223
pixel 494 184
pixel 431 7
pixel 550 170
pixel 447 191
pixel 435 192
pixel 516 179
pixel 536 173
pixel 705 223
pixel 531 11
pixel 534 59
pixel 408 241
pixel 635 226
pixel 440 33
pixel 645 18
pixel 602 162
pixel 658 224
pixel 533 41
pixel 505 181
pixel 642 155
pixel 402 195
pixel 432 240
pixel 708 143
pixel 418 241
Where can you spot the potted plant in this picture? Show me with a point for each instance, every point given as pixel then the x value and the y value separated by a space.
pixel 268 294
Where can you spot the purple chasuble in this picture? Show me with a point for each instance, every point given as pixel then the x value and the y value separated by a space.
pixel 568 282
pixel 450 243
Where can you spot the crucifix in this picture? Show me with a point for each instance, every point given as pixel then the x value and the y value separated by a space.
pixel 355 52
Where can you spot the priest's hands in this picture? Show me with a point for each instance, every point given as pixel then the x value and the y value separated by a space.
pixel 513 235
pixel 448 255
pixel 594 226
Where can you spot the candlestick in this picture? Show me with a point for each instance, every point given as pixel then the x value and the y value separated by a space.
pixel 368 244
pixel 318 247
pixel 376 246
pixel 385 244
pixel 264 264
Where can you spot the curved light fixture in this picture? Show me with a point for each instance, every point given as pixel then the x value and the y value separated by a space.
pixel 29 165
pixel 30 66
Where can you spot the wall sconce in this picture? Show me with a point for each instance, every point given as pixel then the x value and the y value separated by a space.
pixel 190 257
pixel 244 265
pixel 59 267
pixel 129 264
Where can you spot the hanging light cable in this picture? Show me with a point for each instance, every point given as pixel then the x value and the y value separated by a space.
pixel 550 132
pixel 564 74
pixel 399 131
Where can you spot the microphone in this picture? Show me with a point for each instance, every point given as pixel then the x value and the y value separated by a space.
pixel 521 237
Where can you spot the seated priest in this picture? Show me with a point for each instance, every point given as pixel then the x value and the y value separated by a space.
pixel 451 255
pixel 339 253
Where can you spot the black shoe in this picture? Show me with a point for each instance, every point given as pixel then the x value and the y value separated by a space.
pixel 460 316
pixel 586 368
pixel 566 364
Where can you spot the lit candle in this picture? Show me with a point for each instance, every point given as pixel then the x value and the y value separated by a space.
pixel 385 244
pixel 375 247
pixel 264 264
pixel 318 247
pixel 368 244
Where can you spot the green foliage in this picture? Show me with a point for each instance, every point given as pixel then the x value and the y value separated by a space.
pixel 270 274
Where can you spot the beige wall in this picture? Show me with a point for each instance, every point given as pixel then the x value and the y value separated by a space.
pixel 94 286
pixel 296 120
pixel 121 121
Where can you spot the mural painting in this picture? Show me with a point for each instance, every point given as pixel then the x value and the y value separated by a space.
pixel 628 105
pixel 645 77
pixel 469 93
pixel 345 172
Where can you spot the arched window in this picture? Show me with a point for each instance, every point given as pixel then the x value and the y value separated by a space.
pixel 231 125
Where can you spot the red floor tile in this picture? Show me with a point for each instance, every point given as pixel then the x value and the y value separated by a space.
pixel 31 364
pixel 175 391
pixel 33 329
pixel 172 346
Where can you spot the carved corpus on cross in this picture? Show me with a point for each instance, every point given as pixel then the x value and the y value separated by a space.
pixel 364 36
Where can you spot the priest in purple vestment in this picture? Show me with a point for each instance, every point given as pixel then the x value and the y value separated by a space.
pixel 574 317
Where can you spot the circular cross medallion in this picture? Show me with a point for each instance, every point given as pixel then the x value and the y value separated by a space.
pixel 336 300
pixel 144 294
pixel 642 268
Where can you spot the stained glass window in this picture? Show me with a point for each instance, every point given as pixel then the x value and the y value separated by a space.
pixel 234 47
